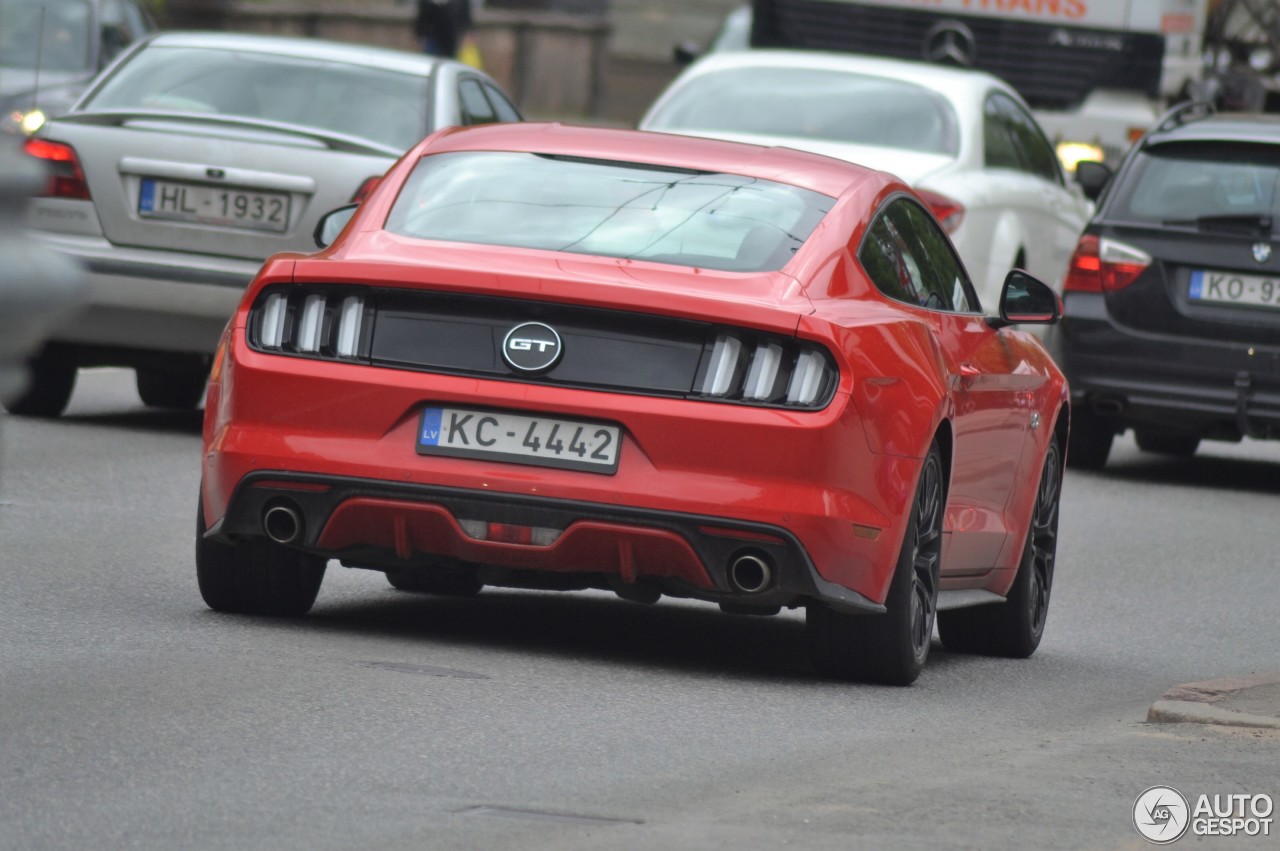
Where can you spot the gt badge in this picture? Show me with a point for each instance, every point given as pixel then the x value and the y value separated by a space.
pixel 531 347
pixel 1261 251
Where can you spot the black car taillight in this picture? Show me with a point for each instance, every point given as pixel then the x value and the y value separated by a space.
pixel 1104 266
pixel 758 369
pixel 319 321
pixel 66 178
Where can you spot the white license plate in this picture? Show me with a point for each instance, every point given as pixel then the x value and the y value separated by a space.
pixel 214 205
pixel 524 439
pixel 1234 288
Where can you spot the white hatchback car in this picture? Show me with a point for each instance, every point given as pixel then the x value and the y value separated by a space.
pixel 963 139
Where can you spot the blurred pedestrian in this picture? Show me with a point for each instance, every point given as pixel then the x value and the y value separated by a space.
pixel 442 25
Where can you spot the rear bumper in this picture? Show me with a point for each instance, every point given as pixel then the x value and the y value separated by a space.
pixel 148 299
pixel 1216 389
pixel 369 523
pixel 696 482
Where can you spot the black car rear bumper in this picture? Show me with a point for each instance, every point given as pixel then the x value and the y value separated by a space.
pixel 1217 389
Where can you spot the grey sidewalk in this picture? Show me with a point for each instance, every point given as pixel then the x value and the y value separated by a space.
pixel 1252 701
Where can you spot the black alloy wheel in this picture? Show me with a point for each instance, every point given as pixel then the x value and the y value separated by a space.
pixel 891 648
pixel 1014 628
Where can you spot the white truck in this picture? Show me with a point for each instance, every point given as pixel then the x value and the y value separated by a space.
pixel 1097 73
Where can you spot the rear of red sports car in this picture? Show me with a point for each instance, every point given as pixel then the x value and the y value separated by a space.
pixel 505 373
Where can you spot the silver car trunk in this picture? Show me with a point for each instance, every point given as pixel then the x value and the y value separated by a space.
pixel 213 188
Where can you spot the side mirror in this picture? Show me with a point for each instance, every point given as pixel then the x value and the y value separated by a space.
pixel 1026 300
pixel 1092 177
pixel 332 223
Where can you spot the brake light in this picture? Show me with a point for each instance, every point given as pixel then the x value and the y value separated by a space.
pixel 66 178
pixel 1104 266
pixel 366 189
pixel 948 211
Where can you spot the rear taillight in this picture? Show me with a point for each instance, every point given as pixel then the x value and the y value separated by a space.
pixel 948 211
pixel 1104 266
pixel 66 178
pixel 365 190
pixel 324 322
pixel 762 370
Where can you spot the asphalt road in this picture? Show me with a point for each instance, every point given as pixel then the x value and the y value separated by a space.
pixel 133 717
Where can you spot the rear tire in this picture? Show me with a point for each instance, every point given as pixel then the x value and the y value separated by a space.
pixel 891 648
pixel 52 379
pixel 1014 628
pixel 1090 440
pixel 448 577
pixel 1166 443
pixel 255 576
pixel 181 390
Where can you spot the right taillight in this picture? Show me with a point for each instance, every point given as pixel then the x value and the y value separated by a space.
pixel 66 178
pixel 1102 265
pixel 757 369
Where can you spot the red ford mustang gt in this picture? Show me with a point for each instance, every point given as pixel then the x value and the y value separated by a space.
pixel 551 357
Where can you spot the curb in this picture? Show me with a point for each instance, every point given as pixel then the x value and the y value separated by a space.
pixel 1202 703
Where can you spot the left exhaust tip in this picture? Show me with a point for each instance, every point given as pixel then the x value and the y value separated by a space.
pixel 282 523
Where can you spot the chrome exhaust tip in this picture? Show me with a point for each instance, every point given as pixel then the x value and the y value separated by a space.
pixel 282 523
pixel 750 573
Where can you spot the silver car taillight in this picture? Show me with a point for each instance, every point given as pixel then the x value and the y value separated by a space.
pixel 325 322
pixel 765 370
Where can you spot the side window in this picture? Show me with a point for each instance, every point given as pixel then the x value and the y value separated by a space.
pixel 997 138
pixel 502 106
pixel 476 108
pixel 1033 148
pixel 909 259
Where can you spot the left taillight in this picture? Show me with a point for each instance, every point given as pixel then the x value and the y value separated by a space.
pixel 322 322
pixel 765 370
pixel 948 211
pixel 66 177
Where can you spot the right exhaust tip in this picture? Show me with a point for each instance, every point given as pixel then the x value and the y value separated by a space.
pixel 750 573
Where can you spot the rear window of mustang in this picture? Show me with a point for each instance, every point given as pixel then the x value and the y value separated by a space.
pixel 614 209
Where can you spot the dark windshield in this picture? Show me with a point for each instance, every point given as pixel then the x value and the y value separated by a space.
pixel 1202 185
pixel 387 107
pixel 53 34
pixel 831 106
pixel 625 210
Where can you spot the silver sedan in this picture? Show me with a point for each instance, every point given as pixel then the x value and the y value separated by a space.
pixel 197 156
